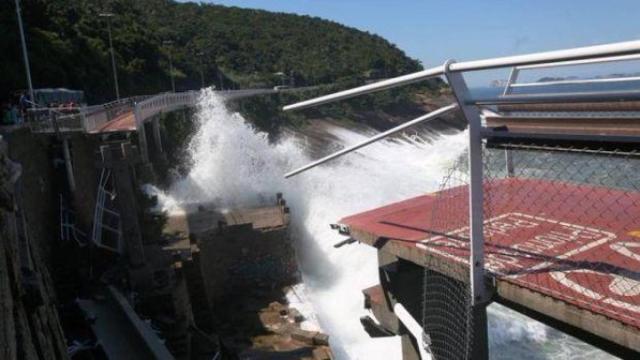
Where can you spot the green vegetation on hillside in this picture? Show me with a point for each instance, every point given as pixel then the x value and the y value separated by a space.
pixel 265 113
pixel 232 47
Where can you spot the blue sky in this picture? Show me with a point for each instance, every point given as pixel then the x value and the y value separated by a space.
pixel 435 30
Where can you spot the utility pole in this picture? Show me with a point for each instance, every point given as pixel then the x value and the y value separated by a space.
pixel 201 57
pixel 113 57
pixel 173 83
pixel 25 56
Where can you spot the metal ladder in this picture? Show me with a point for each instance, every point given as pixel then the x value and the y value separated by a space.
pixel 101 208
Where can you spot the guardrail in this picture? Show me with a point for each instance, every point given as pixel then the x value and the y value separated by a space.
pixel 97 116
pixel 77 119
pixel 155 105
pixel 91 118
pixel 52 120
pixel 515 73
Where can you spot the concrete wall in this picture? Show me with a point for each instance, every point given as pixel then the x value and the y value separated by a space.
pixel 38 187
pixel 84 153
pixel 238 259
pixel 30 328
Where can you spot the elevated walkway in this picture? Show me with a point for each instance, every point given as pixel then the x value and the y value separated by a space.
pixel 539 247
pixel 125 115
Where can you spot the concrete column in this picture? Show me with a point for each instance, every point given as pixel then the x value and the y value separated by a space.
pixel 68 165
pixel 142 136
pixel 156 135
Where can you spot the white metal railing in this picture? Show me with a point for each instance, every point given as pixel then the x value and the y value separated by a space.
pixel 515 73
pixel 547 58
pixel 91 119
pixel 164 102
pixel 582 62
pixel 469 107
pixel 99 225
pixel 76 119
pixel 97 116
pixel 151 107
pixel 423 118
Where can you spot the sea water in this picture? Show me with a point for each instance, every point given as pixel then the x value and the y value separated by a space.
pixel 231 164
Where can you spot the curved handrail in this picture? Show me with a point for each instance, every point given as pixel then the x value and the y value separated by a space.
pixel 427 117
pixel 589 52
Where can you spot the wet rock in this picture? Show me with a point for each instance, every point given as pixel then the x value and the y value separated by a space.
pixel 309 337
pixel 276 306
pixel 295 315
pixel 322 353
pixel 321 339
pixel 304 336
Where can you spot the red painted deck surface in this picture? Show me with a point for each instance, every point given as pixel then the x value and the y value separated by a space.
pixel 576 243
pixel 124 122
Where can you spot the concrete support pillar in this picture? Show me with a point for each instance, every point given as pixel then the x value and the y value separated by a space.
pixel 401 282
pixel 156 135
pixel 69 165
pixel 448 310
pixel 142 136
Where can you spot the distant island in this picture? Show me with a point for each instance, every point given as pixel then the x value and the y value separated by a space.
pixel 503 82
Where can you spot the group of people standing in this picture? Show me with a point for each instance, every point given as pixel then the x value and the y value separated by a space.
pixel 14 110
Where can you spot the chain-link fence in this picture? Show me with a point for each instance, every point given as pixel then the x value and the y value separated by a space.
pixel 561 221
pixel 447 309
pixel 565 222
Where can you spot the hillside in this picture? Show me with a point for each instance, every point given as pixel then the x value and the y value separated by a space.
pixel 233 47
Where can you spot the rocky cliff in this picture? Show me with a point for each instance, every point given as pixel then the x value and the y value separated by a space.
pixel 30 327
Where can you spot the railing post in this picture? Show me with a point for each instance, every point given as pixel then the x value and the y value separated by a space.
pixel 479 294
pixel 476 216
pixel 69 165
pixel 513 77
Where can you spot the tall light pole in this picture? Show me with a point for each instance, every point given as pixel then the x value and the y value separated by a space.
pixel 168 43
pixel 113 56
pixel 25 56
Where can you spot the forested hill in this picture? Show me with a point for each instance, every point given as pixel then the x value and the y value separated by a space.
pixel 68 47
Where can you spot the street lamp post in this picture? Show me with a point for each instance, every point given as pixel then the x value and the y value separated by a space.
pixel 25 55
pixel 173 83
pixel 113 57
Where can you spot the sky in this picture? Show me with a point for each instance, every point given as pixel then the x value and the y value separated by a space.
pixel 433 31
